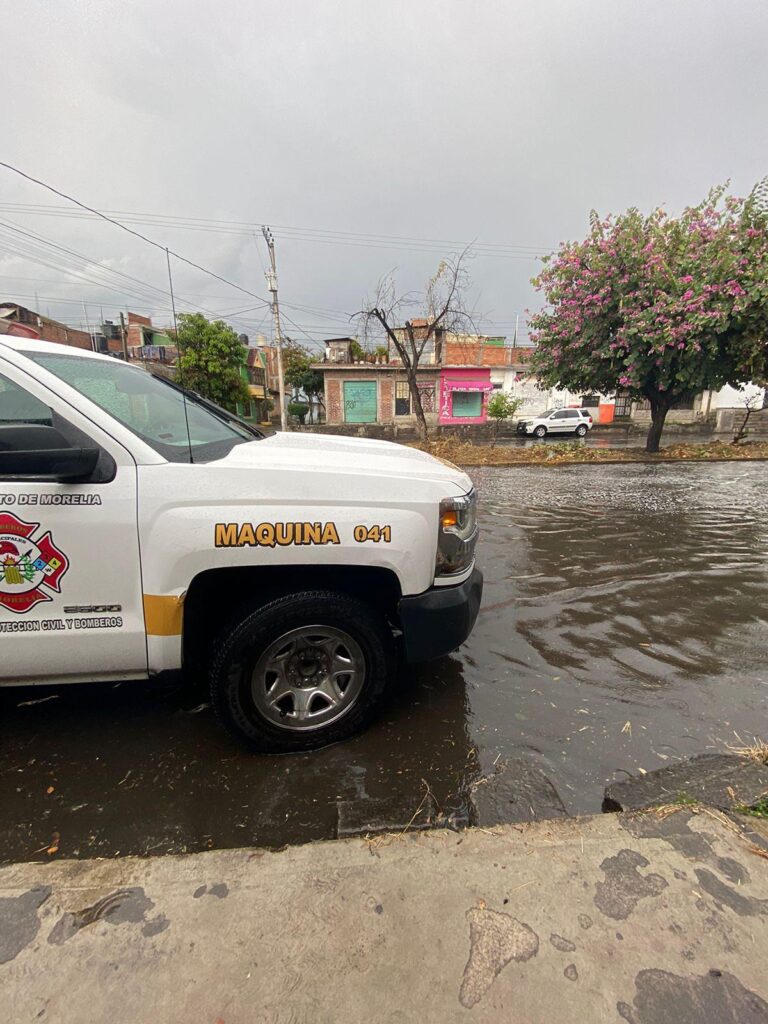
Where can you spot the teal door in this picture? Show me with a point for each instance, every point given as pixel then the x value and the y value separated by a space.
pixel 360 401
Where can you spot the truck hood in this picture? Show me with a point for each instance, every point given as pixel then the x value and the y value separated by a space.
pixel 346 455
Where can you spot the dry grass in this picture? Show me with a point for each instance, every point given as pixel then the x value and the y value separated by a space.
pixel 756 751
pixel 387 838
pixel 576 453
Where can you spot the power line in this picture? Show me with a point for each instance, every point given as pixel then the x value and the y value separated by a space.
pixel 137 234
pixel 326 235
pixel 58 281
pixel 306 234
pixel 37 244
pixel 34 246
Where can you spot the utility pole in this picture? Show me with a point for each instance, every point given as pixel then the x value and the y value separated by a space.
pixel 122 337
pixel 88 327
pixel 272 287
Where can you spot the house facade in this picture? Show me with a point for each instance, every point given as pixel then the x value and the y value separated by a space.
pixel 254 373
pixel 374 390
pixel 464 392
pixel 359 393
pixel 455 377
pixel 148 344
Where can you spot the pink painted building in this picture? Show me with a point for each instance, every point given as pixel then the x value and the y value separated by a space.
pixel 464 394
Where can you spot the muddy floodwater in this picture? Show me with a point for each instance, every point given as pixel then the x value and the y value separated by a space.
pixel 624 624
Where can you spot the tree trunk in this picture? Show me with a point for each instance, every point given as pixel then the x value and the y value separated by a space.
pixel 659 409
pixel 741 433
pixel 421 419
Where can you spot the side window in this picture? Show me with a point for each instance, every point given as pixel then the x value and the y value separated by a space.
pixel 18 406
pixel 558 415
pixel 571 414
pixel 28 425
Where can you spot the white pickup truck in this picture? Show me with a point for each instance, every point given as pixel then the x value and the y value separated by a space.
pixel 144 530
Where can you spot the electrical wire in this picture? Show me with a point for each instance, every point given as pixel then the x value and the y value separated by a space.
pixel 508 250
pixel 35 247
pixel 138 234
pixel 326 235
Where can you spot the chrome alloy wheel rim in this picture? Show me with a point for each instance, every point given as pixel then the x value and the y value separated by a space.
pixel 308 678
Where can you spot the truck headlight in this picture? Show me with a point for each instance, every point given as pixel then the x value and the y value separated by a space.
pixel 457 534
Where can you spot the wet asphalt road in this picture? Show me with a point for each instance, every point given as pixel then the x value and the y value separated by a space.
pixel 624 624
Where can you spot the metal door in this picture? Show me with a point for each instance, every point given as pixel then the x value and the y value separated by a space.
pixel 360 401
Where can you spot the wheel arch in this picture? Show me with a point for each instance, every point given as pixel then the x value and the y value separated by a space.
pixel 215 595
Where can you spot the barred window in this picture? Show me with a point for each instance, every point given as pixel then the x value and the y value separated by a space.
pixel 402 398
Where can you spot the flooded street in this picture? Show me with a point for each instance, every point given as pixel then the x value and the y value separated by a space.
pixel 624 624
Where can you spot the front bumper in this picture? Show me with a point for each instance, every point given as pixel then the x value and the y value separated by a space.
pixel 440 620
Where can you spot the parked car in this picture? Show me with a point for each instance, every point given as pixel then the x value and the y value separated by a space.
pixel 557 421
pixel 144 530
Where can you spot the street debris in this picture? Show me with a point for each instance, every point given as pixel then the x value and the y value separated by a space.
pixel 464 453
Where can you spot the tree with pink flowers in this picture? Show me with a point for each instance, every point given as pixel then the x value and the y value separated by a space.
pixel 661 307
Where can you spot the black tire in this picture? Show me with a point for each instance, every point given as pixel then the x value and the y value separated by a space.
pixel 581 430
pixel 540 432
pixel 244 642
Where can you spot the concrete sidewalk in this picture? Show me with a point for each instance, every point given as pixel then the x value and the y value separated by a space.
pixel 610 918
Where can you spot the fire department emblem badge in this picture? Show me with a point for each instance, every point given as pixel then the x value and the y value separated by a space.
pixel 29 569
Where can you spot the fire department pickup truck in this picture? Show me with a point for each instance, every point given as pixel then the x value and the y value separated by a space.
pixel 144 530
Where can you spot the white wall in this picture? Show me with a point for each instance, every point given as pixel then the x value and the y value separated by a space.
pixel 734 398
pixel 535 400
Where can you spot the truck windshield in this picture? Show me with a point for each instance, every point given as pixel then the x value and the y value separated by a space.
pixel 180 430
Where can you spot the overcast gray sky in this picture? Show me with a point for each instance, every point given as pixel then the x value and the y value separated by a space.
pixel 498 121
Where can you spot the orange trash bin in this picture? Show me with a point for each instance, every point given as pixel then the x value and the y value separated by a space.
pixel 605 412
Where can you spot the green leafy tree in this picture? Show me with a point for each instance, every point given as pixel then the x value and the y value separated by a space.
pixel 501 406
pixel 301 378
pixel 299 410
pixel 661 307
pixel 211 356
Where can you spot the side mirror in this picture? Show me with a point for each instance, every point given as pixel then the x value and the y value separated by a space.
pixel 54 464
pixel 40 452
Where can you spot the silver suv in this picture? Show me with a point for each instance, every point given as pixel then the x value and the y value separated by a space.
pixel 557 421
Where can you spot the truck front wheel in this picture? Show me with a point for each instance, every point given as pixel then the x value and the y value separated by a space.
pixel 302 671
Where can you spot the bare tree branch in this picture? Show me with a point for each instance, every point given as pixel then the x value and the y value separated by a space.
pixel 444 312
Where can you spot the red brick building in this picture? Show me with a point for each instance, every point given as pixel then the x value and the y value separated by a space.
pixel 47 329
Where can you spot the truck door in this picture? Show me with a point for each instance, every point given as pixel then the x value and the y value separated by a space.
pixel 70 579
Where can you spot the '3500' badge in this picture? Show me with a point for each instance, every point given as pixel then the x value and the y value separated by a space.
pixel 28 569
